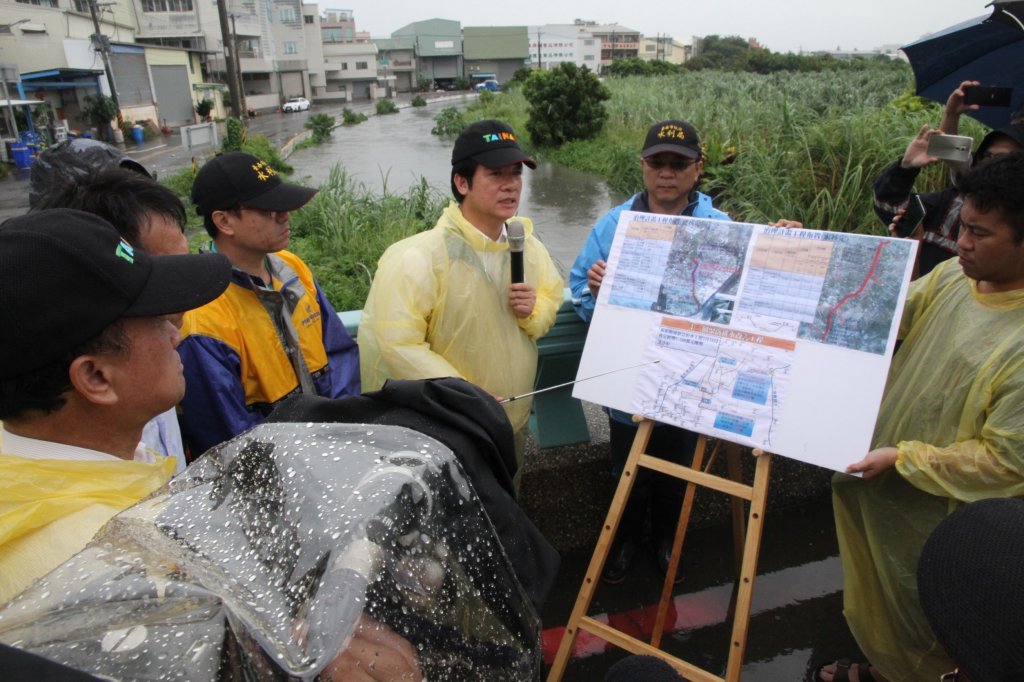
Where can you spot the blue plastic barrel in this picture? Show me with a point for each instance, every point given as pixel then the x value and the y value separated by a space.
pixel 138 134
pixel 22 155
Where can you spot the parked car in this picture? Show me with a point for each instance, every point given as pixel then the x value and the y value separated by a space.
pixel 489 84
pixel 295 104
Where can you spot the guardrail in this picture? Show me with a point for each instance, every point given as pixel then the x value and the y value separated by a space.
pixel 557 418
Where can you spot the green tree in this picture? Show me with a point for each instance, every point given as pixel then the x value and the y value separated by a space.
pixel 100 110
pixel 717 52
pixel 565 104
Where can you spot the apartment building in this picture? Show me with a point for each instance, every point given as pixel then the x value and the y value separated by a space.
pixel 666 49
pixel 52 56
pixel 350 60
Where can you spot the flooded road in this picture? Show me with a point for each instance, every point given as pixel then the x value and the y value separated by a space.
pixel 393 152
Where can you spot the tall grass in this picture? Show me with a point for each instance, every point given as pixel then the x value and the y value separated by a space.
pixel 806 146
pixel 343 232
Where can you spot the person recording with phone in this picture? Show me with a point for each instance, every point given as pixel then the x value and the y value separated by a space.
pixel 938 227
pixel 444 302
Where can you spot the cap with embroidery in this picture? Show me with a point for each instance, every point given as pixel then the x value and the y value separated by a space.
pixel 66 275
pixel 239 178
pixel 490 143
pixel 674 137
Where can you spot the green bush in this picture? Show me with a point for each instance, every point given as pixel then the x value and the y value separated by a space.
pixel 350 118
pixel 418 101
pixel 321 125
pixel 235 137
pixel 566 104
pixel 461 83
pixel 204 107
pixel 448 123
pixel 342 233
pixel 386 106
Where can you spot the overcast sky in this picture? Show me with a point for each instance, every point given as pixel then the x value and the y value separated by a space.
pixel 780 25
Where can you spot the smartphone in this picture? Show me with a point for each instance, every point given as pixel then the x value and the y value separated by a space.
pixel 951 147
pixel 988 95
pixel 911 218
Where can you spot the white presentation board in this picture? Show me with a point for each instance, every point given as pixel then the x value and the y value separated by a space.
pixel 769 337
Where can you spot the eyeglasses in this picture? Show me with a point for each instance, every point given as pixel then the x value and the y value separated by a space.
pixel 676 163
pixel 950 677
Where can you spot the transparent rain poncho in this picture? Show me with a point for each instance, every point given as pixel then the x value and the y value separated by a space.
pixel 265 556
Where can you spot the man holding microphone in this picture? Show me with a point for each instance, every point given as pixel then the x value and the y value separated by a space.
pixel 470 297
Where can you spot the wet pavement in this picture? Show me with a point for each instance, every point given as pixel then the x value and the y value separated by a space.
pixel 796 622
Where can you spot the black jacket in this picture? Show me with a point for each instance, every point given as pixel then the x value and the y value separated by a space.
pixel 941 214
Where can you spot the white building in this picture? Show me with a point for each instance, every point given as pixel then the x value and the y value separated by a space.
pixel 553 44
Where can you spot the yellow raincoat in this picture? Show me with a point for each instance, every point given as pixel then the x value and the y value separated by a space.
pixel 51 508
pixel 954 406
pixel 439 307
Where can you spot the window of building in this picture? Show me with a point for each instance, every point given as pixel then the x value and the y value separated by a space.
pixel 362 65
pixel 40 3
pixel 161 5
pixel 588 57
pixel 588 41
pixel 344 66
pixel 287 14
pixel 308 19
pixel 291 47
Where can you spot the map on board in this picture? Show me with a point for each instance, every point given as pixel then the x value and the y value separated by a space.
pixel 743 321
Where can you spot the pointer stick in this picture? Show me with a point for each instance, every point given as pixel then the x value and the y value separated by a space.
pixel 570 383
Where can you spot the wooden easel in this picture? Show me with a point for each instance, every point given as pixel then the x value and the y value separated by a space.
pixel 748 546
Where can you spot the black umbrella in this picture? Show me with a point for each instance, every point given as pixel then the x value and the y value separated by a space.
pixel 988 49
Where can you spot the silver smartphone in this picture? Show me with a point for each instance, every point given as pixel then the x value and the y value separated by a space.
pixel 951 147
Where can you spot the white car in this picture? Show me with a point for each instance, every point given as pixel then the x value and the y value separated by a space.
pixel 295 104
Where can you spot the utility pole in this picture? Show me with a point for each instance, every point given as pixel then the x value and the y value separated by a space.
pixel 103 44
pixel 230 55
pixel 540 63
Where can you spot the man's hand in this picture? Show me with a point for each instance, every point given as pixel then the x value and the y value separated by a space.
pixel 594 277
pixel 955 104
pixel 522 297
pixel 894 231
pixel 375 654
pixel 916 155
pixel 785 222
pixel 876 462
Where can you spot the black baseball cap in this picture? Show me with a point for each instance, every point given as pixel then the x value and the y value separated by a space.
pixel 66 275
pixel 239 178
pixel 490 143
pixel 674 137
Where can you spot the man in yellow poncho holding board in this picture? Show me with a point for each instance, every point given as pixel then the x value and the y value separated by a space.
pixel 950 428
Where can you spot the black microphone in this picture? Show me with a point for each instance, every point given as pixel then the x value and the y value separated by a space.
pixel 516 232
